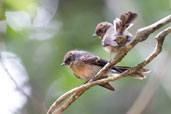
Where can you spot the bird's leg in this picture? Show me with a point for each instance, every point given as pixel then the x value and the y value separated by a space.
pixel 110 58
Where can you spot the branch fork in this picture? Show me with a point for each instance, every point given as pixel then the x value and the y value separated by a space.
pixel 141 35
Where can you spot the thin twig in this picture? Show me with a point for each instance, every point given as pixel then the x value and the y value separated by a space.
pixel 141 35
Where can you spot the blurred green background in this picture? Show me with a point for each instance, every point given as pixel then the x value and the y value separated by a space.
pixel 36 34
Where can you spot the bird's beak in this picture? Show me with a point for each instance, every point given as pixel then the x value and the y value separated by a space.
pixel 62 64
pixel 94 35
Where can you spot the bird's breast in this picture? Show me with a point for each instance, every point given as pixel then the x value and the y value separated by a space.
pixel 84 71
pixel 111 49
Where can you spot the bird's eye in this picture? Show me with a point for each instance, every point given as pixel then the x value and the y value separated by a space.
pixel 69 59
pixel 99 31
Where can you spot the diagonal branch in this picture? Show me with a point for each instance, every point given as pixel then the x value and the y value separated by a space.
pixel 146 94
pixel 141 35
pixel 158 48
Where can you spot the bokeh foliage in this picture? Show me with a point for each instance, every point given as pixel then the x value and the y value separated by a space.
pixel 77 20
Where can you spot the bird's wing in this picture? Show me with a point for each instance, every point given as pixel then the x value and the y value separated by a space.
pixel 95 60
pixel 124 23
pixel 109 40
pixel 117 26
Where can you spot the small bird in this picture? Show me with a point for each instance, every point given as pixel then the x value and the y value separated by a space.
pixel 115 36
pixel 85 65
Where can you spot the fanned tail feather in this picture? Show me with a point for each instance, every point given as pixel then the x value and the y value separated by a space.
pixel 141 74
pixel 125 22
pixel 128 18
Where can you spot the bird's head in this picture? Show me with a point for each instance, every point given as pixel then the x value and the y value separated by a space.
pixel 101 29
pixel 69 58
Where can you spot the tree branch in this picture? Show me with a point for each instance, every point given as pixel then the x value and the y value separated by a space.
pixel 141 35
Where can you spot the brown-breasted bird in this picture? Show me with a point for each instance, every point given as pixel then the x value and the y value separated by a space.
pixel 115 36
pixel 85 65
